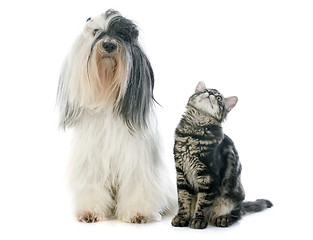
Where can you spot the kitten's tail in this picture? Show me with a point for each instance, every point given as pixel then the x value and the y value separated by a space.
pixel 256 206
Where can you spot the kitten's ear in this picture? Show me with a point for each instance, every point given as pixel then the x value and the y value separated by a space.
pixel 200 87
pixel 230 103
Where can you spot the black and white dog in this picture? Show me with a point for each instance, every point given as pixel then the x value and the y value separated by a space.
pixel 106 93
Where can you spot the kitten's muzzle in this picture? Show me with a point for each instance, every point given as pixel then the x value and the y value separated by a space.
pixel 109 47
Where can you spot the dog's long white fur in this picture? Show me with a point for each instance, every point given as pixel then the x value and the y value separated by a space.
pixel 114 172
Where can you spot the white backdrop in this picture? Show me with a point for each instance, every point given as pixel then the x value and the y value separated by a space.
pixel 260 51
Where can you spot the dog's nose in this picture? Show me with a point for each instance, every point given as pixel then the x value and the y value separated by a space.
pixel 109 46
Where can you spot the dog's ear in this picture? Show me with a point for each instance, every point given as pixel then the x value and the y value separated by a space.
pixel 69 112
pixel 136 103
pixel 69 115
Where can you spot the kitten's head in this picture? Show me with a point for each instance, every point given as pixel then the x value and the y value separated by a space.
pixel 211 102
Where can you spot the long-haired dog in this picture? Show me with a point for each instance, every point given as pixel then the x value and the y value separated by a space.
pixel 106 94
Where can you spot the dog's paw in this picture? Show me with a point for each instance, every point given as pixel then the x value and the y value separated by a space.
pixel 198 223
pixel 139 219
pixel 89 217
pixel 180 221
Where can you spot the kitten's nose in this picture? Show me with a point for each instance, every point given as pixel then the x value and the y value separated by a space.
pixel 109 47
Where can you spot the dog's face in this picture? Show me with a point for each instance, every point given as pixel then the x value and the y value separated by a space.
pixel 110 37
pixel 108 67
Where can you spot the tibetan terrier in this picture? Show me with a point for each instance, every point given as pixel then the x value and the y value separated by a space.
pixel 106 94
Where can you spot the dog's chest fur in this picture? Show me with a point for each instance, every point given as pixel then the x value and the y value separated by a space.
pixel 111 146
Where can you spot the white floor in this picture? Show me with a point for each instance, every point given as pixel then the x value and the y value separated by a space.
pixel 271 224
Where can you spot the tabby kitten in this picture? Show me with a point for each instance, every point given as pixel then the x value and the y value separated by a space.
pixel 207 165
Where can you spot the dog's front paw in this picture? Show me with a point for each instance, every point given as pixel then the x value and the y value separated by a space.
pixel 180 221
pixel 139 219
pixel 89 217
pixel 198 223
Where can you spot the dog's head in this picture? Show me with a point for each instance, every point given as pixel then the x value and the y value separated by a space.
pixel 107 67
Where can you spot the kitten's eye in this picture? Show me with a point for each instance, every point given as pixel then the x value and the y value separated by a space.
pixel 219 98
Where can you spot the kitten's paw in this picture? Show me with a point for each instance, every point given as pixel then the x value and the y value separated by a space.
pixel 224 221
pixel 198 223
pixel 139 219
pixel 179 221
pixel 89 217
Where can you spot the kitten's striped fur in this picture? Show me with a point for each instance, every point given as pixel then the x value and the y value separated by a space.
pixel 207 165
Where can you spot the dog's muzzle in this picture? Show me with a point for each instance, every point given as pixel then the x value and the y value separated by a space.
pixel 109 47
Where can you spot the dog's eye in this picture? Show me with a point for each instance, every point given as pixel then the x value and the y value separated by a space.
pixel 95 31
pixel 88 19
pixel 122 35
